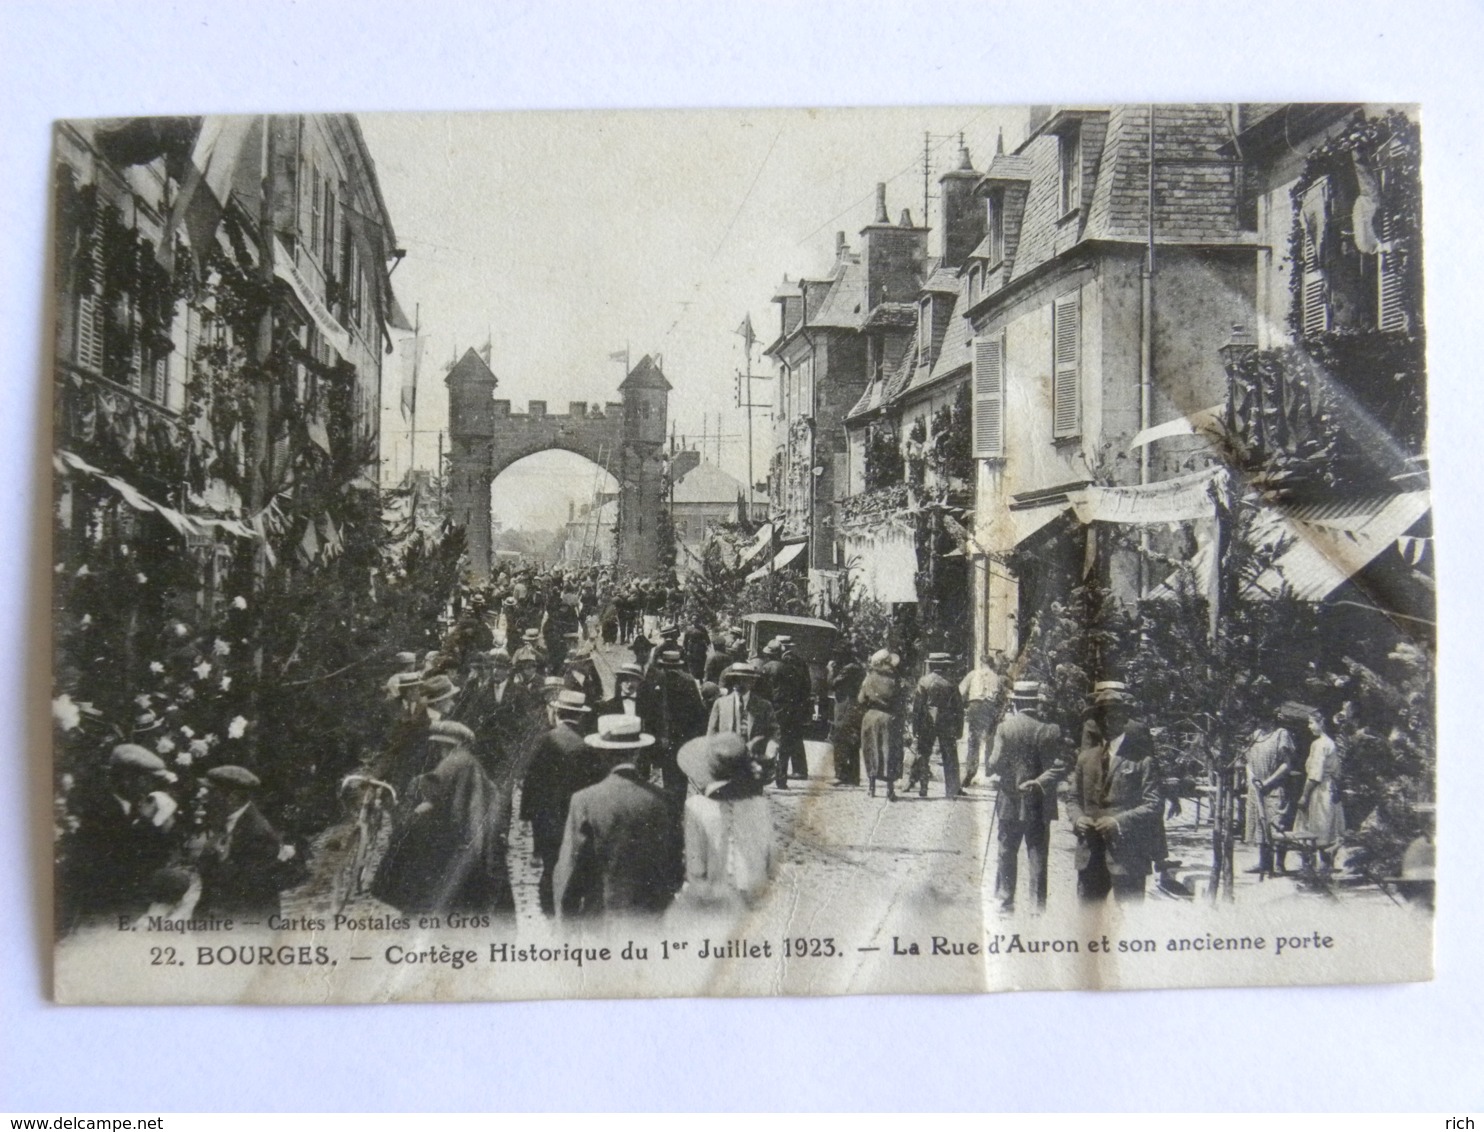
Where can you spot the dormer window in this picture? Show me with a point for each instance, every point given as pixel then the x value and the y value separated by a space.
pixel 997 226
pixel 1069 156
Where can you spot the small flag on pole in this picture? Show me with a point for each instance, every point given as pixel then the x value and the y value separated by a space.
pixel 745 330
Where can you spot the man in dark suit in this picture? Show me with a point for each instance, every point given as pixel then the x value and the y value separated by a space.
pixel 791 692
pixel 937 720
pixel 625 698
pixel 124 837
pixel 621 852
pixel 1114 805
pixel 742 711
pixel 561 765
pixel 671 707
pixel 1030 758
pixel 242 864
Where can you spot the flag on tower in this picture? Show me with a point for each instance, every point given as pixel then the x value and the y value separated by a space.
pixel 746 331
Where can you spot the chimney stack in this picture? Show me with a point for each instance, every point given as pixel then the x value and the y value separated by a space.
pixel 906 221
pixel 963 215
pixel 881 216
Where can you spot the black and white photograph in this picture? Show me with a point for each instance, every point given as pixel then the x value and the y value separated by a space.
pixel 779 552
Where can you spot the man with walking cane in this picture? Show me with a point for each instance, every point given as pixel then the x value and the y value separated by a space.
pixel 1030 759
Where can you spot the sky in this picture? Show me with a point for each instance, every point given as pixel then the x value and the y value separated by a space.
pixel 561 238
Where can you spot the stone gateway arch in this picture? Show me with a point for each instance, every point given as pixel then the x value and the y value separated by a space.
pixel 626 437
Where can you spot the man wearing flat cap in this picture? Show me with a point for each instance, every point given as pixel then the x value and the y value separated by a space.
pixel 621 850
pixel 125 836
pixel 561 765
pixel 447 852
pixel 671 707
pixel 1030 757
pixel 1114 803
pixel 242 862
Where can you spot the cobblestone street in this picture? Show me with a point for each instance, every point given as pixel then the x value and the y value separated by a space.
pixel 841 851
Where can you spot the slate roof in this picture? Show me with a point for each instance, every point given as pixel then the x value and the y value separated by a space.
pixel 645 375
pixel 706 483
pixel 843 304
pixel 471 368
pixel 1195 184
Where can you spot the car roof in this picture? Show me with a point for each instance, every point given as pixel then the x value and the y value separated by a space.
pixel 790 619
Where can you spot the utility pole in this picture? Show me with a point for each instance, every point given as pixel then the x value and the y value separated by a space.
pixel 927 173
pixel 260 471
pixel 417 325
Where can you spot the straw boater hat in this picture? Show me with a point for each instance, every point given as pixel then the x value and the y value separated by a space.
pixel 550 686
pixel 884 660
pixel 571 700
pixel 773 647
pixel 939 659
pixel 510 602
pixel 436 689
pixel 740 671
pixel 1026 692
pixel 669 655
pixel 450 732
pixel 499 658
pixel 531 635
pixel 632 671
pixel 406 658
pixel 714 761
pixel 619 733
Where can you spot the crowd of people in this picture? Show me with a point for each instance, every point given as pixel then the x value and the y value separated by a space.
pixel 652 791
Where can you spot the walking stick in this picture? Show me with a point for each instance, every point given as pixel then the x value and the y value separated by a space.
pixel 994 816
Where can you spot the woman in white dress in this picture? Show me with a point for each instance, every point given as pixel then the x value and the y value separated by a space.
pixel 730 848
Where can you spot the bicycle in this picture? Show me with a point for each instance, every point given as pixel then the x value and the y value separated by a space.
pixel 375 799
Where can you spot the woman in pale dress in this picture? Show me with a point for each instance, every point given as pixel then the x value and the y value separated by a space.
pixel 881 725
pixel 729 843
pixel 1323 813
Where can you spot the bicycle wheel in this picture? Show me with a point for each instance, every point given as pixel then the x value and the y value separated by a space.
pixel 348 876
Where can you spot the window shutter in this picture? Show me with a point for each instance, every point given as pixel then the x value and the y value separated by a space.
pixel 158 380
pixel 89 348
pixel 1315 293
pixel 1391 311
pixel 1066 379
pixel 989 398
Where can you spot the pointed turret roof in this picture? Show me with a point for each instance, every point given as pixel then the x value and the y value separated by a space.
pixel 471 370
pixel 646 375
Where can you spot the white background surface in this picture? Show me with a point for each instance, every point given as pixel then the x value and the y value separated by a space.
pixel 1397 1047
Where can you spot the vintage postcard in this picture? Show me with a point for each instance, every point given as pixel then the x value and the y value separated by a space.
pixel 559 555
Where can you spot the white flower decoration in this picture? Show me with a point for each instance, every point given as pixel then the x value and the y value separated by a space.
pixel 239 602
pixel 141 578
pixel 200 748
pixel 187 732
pixel 156 667
pixel 142 700
pixel 236 728
pixel 67 714
pixel 226 683
pixel 185 758
pixel 221 648
pixel 202 670
pixel 83 571
pixel 165 746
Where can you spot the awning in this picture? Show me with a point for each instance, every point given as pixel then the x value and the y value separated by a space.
pixel 883 565
pixel 1023 524
pixel 780 560
pixel 286 269
pixel 1335 541
pixel 760 542
pixel 1178 500
pixel 1180 426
